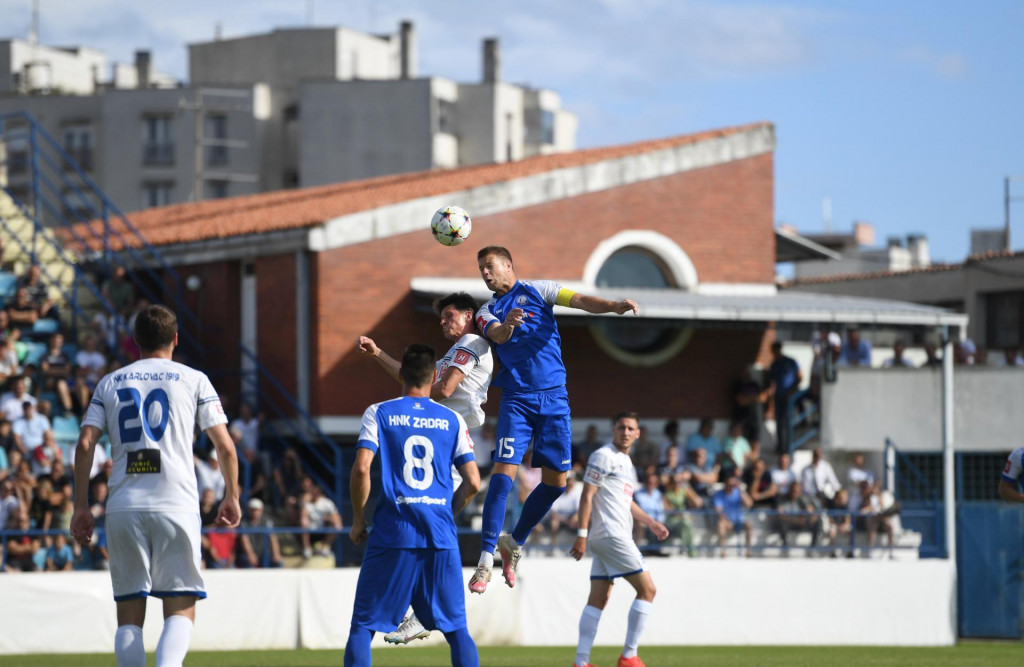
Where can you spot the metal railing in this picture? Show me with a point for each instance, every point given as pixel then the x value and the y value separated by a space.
pixel 801 408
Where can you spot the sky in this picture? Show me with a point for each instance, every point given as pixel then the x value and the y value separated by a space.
pixel 907 115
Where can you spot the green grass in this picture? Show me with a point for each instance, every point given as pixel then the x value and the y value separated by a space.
pixel 965 655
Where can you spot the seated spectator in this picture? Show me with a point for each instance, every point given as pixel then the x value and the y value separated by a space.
pixel 286 484
pixel 99 459
pixel 118 290
pixel 858 473
pixel 856 351
pixel 819 479
pixel 7 443
pixel 217 549
pixel 320 512
pixel 59 475
pixel 650 500
pixel 8 501
pixel 582 450
pixel 841 518
pixel 13 334
pixel 45 455
pixel 704 439
pixel 671 441
pixel 484 448
pixel 30 428
pixel 759 484
pixel 24 481
pixel 83 558
pixel 932 357
pixel 21 313
pixel 678 497
pixel 38 293
pixel 247 429
pixel 255 549
pixel 59 557
pixel 57 374
pixel 563 513
pixel 783 475
pixel 672 467
pixel 898 360
pixel 9 364
pixel 92 362
pixel 645 454
pixel 798 513
pixel 702 475
pixel 12 403
pixel 24 552
pixel 208 475
pixel 731 505
pixel 964 352
pixel 736 446
pixel 867 503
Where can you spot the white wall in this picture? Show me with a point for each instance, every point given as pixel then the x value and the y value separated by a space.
pixel 819 602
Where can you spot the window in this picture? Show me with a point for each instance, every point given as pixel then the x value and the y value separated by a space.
pixel 156 194
pixel 158 141
pixel 17 162
pixel 216 136
pixel 78 146
pixel 216 189
pixel 1004 316
pixel 547 127
pixel 446 116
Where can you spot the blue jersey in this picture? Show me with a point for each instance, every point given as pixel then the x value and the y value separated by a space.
pixel 418 441
pixel 531 359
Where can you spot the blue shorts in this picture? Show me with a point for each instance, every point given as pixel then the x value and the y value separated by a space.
pixel 391 579
pixel 540 416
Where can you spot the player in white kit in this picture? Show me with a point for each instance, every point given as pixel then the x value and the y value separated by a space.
pixel 1011 484
pixel 150 409
pixel 462 378
pixel 607 507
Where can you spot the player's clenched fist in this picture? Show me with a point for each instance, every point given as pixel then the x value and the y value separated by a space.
pixel 82 524
pixel 367 346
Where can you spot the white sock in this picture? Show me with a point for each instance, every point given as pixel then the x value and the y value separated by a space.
pixel 486 559
pixel 128 647
pixel 174 641
pixel 638 613
pixel 588 631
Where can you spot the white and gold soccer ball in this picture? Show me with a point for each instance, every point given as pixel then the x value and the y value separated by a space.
pixel 450 225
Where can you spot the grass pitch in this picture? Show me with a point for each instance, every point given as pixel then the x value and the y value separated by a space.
pixel 972 654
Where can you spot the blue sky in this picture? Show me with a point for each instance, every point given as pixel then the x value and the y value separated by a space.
pixel 904 114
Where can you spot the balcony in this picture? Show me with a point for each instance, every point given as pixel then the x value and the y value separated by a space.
pixel 158 155
pixel 83 156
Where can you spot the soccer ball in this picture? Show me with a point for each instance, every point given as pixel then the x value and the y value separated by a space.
pixel 450 225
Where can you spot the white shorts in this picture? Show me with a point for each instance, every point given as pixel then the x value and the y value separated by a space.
pixel 155 553
pixel 614 557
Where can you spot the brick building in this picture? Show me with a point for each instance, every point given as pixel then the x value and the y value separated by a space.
pixel 684 225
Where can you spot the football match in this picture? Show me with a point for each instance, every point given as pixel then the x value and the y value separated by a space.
pixel 515 334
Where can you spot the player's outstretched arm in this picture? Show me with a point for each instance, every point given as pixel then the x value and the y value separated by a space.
pixel 1008 491
pixel 597 305
pixel 359 490
pixel 388 363
pixel 501 333
pixel 470 486
pixel 229 514
pixel 82 522
pixel 644 519
pixel 447 383
pixel 579 547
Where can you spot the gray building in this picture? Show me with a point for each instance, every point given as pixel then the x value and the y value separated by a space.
pixel 290 108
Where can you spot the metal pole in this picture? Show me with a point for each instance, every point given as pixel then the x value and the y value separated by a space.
pixel 949 472
pixel 1006 210
pixel 37 207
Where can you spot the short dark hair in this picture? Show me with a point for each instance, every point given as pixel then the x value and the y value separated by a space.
pixel 460 300
pixel 776 346
pixel 417 365
pixel 498 250
pixel 626 414
pixel 155 328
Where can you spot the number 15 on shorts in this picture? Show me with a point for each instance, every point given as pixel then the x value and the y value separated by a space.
pixel 505 448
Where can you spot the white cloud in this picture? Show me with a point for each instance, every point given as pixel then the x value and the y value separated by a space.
pixel 951 65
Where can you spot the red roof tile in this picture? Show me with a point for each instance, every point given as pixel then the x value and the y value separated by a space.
pixel 308 207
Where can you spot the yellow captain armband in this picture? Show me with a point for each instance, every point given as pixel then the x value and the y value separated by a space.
pixel 565 295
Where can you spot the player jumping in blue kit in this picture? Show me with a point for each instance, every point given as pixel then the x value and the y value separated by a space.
pixel 520 321
pixel 412 555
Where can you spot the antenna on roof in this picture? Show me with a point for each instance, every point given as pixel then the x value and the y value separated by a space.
pixel 826 214
pixel 218 31
pixel 33 31
pixel 309 12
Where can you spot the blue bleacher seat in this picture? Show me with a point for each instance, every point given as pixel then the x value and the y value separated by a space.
pixel 65 429
pixel 8 284
pixel 45 326
pixel 70 349
pixel 35 352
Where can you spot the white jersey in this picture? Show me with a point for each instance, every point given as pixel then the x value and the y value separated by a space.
pixel 471 354
pixel 153 405
pixel 613 473
pixel 1013 470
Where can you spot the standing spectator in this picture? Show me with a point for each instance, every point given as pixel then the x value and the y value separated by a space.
pixel 798 513
pixel 38 293
pixel 748 404
pixel 680 496
pixel 29 429
pixel 56 367
pixel 21 313
pixel 704 439
pixel 702 475
pixel 731 504
pixel 856 352
pixel 258 548
pixel 12 403
pixel 819 479
pixel 247 428
pixel 118 290
pixel 826 358
pixel 784 381
pixel 319 512
pixel 932 357
pixel 671 441
pixel 898 360
pixel 736 446
pixel 650 500
pixel 59 557
pixel 858 473
pixel 760 485
pixel 783 475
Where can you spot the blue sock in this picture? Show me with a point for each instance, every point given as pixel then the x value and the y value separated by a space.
pixel 494 511
pixel 463 649
pixel 357 649
pixel 536 506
